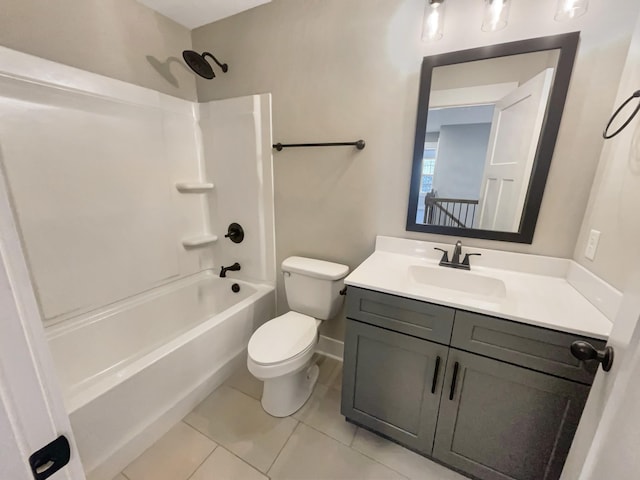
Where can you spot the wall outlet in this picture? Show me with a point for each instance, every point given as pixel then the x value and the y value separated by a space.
pixel 592 244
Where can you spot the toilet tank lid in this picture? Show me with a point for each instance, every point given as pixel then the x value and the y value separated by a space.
pixel 315 268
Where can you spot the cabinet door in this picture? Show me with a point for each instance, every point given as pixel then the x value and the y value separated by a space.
pixel 502 422
pixel 392 383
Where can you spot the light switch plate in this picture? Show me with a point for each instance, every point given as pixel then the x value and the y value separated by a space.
pixel 592 244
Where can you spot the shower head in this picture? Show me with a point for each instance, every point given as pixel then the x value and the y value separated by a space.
pixel 199 64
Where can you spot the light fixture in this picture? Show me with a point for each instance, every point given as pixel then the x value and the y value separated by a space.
pixel 496 14
pixel 570 9
pixel 432 27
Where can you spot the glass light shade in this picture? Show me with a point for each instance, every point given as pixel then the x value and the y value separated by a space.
pixel 569 9
pixel 496 15
pixel 433 25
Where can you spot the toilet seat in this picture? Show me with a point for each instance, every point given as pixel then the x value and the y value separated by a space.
pixel 283 338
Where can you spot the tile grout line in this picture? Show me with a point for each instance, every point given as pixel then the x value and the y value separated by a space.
pixel 202 463
pixel 358 451
pixel 217 389
pixel 205 436
pixel 245 462
pixel 303 419
pixel 380 463
pixel 298 422
pixel 239 391
pixel 198 431
pixel 201 433
pixel 223 446
pixel 192 428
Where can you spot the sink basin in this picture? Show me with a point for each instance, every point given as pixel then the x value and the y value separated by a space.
pixel 458 280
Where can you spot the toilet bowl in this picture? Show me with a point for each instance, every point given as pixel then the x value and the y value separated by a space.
pixel 280 351
pixel 279 354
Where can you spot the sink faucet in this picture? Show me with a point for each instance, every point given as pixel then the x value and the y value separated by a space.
pixel 457 250
pixel 455 260
pixel 233 268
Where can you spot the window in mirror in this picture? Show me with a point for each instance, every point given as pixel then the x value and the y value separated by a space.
pixel 485 135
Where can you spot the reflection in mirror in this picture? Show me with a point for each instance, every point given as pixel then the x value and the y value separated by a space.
pixel 477 150
pixel 483 128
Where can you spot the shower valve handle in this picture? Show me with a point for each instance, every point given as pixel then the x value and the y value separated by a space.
pixel 235 233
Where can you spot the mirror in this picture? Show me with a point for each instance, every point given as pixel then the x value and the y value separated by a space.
pixel 487 124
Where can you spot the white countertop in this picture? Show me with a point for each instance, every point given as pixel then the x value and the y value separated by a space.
pixel 537 290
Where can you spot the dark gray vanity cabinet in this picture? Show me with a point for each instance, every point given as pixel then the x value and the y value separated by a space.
pixel 503 422
pixel 394 382
pixel 395 357
pixel 496 399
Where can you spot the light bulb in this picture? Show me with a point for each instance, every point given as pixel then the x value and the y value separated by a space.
pixel 432 27
pixel 570 9
pixel 496 15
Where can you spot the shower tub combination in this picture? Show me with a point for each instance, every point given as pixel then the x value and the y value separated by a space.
pixel 132 370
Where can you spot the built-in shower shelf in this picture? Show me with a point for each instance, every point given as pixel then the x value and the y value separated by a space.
pixel 200 241
pixel 194 187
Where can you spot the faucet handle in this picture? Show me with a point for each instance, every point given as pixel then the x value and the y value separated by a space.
pixel 466 257
pixel 445 254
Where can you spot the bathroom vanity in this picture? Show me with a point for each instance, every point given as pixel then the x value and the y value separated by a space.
pixel 473 369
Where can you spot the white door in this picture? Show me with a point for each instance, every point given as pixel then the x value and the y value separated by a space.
pixel 607 442
pixel 32 413
pixel 608 437
pixel 515 130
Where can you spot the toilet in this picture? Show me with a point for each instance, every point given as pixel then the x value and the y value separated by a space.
pixel 280 351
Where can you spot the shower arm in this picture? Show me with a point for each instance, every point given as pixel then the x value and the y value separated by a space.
pixel 223 66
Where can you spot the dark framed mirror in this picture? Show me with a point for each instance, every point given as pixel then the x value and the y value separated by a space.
pixel 487 125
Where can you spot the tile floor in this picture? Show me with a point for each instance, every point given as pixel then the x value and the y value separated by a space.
pixel 228 436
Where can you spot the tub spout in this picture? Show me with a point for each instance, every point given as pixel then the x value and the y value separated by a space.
pixel 233 268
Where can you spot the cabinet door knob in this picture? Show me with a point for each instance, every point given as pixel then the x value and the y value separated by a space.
pixel 436 371
pixel 456 366
pixel 585 351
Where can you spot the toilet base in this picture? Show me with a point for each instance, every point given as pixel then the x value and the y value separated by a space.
pixel 283 396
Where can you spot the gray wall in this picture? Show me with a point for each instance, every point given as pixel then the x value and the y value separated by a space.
pixel 462 151
pixel 615 197
pixel 349 69
pixel 121 39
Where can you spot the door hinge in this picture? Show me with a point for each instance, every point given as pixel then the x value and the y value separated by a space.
pixel 51 458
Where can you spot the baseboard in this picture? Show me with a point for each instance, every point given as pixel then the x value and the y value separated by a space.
pixel 331 347
pixel 136 445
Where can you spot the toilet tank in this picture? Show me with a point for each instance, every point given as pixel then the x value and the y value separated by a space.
pixel 313 286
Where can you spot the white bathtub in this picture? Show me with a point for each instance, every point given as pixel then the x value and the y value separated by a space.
pixel 129 372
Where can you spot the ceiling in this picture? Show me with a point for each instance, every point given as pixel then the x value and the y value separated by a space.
pixel 195 13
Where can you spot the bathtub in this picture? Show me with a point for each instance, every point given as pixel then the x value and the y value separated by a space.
pixel 130 371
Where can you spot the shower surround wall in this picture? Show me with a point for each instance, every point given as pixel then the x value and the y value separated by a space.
pixel 92 165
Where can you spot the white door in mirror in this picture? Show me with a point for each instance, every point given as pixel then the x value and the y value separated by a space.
pixel 513 142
